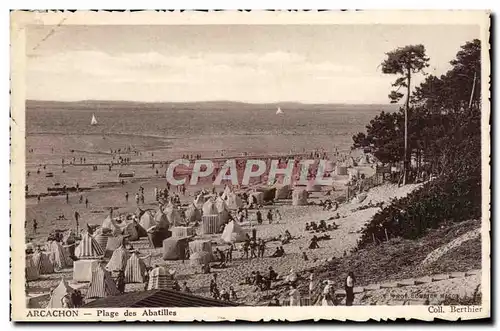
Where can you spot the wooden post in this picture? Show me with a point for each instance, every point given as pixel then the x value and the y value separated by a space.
pixel 386 236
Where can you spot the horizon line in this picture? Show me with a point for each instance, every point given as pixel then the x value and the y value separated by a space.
pixel 214 101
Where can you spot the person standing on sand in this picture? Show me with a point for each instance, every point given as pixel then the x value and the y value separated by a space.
pixel 137 198
pixel 67 198
pixel 77 217
pixel 86 203
pixel 38 198
pixel 270 216
pixel 349 288
pixel 126 197
pixel 35 226
pixel 253 246
pixel 156 193
pixel 81 199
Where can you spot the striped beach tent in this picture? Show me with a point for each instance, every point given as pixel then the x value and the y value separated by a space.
pixel 88 248
pixel 59 258
pixel 147 220
pixel 102 238
pixel 42 262
pixel 31 269
pixel 135 269
pixel 56 296
pixel 101 285
pixel 161 277
pixel 118 260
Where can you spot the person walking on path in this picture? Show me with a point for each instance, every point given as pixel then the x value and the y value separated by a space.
pixel 349 288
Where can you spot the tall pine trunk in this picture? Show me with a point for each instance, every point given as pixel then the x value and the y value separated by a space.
pixel 405 157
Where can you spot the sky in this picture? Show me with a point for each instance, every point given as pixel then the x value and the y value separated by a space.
pixel 258 63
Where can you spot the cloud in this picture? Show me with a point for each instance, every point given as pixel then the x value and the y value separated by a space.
pixel 154 76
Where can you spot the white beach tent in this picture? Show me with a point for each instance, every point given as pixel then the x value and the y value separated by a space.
pixel 118 260
pixel 62 290
pixel 233 201
pixel 233 232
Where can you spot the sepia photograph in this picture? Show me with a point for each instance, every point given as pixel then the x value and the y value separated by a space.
pixel 339 165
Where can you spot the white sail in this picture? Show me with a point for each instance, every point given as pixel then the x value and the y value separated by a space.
pixel 279 111
pixel 93 121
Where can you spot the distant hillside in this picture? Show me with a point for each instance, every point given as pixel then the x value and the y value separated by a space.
pixel 202 105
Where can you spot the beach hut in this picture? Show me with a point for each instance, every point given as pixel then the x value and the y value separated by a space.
pixel 341 170
pixel 233 232
pixel 118 260
pixel 299 197
pixel 82 269
pixel 282 192
pixel 147 220
pixel 42 262
pixel 135 269
pixel 173 214
pixel 113 244
pixel 161 277
pixel 200 258
pixel 233 201
pixel 193 214
pixel 183 231
pixel 210 224
pixel 56 296
pixel 101 285
pixel 174 248
pixel 31 269
pixel 58 256
pixel 88 248
pixel 268 193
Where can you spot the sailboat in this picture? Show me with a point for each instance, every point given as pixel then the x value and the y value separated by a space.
pixel 93 121
pixel 279 111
